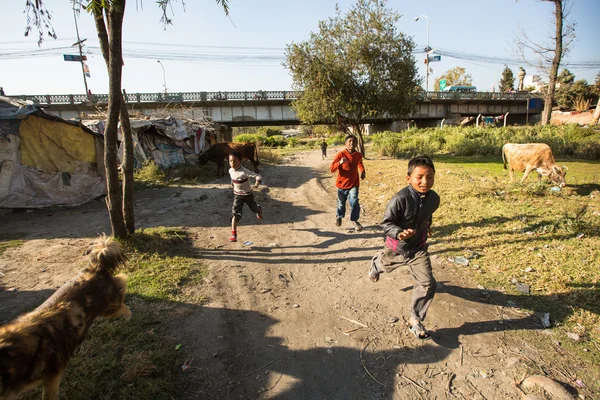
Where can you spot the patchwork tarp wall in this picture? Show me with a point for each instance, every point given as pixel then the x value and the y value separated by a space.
pixel 46 161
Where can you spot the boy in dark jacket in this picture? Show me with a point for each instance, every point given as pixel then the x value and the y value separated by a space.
pixel 406 223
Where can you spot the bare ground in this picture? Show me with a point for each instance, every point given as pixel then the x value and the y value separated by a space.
pixel 277 323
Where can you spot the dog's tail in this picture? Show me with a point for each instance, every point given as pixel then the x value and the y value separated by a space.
pixel 106 254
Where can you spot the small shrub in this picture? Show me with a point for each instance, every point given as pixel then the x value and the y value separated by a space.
pixel 588 149
pixel 275 141
pixel 249 138
pixel 150 173
pixel 292 142
pixel 336 140
pixel 582 104
pixel 268 132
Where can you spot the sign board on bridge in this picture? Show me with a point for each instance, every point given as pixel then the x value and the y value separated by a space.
pixel 434 58
pixel 74 57
pixel 442 84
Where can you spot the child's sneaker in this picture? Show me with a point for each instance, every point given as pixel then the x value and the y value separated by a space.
pixel 338 221
pixel 233 237
pixel 259 213
pixel 358 226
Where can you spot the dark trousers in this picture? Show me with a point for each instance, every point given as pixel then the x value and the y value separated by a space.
pixel 419 265
pixel 238 205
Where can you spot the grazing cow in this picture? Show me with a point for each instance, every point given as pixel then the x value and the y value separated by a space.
pixel 533 156
pixel 221 151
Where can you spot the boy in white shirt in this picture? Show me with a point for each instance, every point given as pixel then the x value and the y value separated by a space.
pixel 242 191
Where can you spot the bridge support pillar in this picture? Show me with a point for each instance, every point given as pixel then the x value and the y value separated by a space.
pixel 225 133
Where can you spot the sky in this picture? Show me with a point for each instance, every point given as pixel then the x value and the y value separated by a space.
pixel 204 50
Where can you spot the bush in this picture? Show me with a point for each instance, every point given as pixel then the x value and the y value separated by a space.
pixel 249 138
pixel 268 132
pixel 150 173
pixel 408 144
pixel 568 140
pixel 275 141
pixel 336 140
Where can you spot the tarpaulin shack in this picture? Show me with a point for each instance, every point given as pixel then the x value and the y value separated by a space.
pixel 170 141
pixel 46 160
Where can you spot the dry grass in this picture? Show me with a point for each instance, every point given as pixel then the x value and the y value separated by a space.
pixel 527 232
pixel 269 156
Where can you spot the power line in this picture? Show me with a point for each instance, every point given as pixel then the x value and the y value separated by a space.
pixel 252 54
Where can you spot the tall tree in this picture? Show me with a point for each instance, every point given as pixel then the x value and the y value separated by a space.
pixel 565 77
pixel 108 16
pixel 356 66
pixel 507 81
pixel 456 76
pixel 549 55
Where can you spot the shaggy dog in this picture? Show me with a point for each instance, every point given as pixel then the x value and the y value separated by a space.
pixel 36 347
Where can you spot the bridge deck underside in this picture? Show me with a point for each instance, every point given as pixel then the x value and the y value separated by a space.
pixel 279 112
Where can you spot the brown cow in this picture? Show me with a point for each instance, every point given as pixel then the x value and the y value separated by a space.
pixel 221 151
pixel 533 156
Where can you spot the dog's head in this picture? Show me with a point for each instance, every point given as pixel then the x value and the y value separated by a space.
pixel 105 253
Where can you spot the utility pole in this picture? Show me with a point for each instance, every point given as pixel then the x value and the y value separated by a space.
pixel 79 42
pixel 427 49
pixel 164 76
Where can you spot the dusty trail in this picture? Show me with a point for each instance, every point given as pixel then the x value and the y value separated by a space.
pixel 273 326
pixel 276 327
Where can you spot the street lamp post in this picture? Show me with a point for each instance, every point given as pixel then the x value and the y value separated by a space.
pixel 427 49
pixel 164 76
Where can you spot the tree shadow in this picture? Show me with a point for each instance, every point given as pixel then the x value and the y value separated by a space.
pixel 225 354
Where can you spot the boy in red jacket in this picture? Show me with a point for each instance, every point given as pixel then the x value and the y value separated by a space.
pixel 347 163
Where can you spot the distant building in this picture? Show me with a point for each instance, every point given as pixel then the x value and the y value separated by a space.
pixel 534 80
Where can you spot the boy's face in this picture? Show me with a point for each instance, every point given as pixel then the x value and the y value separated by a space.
pixel 421 179
pixel 234 162
pixel 351 145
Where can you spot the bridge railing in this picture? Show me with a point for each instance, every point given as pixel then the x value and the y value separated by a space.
pixel 183 97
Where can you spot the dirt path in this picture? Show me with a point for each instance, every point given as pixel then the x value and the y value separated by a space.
pixel 275 317
pixel 273 327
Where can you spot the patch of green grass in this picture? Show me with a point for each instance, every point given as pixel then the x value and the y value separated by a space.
pixel 528 232
pixel 128 360
pixel 151 175
pixel 138 359
pixel 4 245
pixel 161 265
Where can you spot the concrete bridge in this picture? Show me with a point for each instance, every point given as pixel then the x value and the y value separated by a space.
pixel 273 107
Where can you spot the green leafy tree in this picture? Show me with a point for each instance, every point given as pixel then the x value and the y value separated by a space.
pixel 507 81
pixel 565 77
pixel 454 76
pixel 568 94
pixel 108 14
pixel 356 66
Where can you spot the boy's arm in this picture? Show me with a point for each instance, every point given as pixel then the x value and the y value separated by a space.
pixel 361 168
pixel 335 164
pixel 252 174
pixel 393 213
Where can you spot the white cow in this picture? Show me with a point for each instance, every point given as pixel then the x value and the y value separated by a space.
pixel 533 156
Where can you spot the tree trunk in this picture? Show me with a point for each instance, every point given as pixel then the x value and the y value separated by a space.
pixel 359 128
pixel 127 169
pixel 596 114
pixel 114 199
pixel 558 50
pixel 127 162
